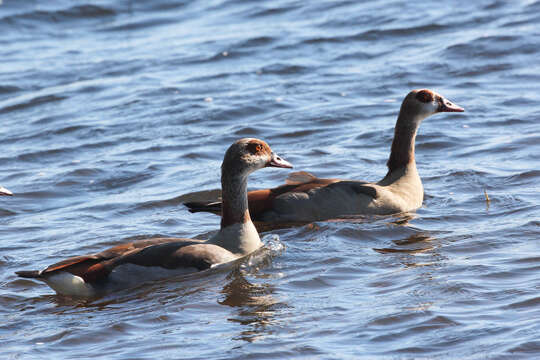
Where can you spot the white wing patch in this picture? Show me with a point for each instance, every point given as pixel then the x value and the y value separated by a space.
pixel 66 283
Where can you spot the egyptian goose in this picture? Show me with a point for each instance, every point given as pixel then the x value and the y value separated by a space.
pixel 308 198
pixel 89 275
pixel 4 191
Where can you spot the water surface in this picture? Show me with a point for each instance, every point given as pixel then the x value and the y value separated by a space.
pixel 112 111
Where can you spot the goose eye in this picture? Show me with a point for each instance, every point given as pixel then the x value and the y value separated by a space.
pixel 254 148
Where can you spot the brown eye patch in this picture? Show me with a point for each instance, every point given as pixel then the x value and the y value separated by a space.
pixel 255 147
pixel 424 96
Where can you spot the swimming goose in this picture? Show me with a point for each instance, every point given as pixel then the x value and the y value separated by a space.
pixel 4 191
pixel 305 197
pixel 89 275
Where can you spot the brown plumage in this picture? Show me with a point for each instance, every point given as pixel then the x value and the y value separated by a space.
pixel 86 275
pixel 261 201
pixel 308 198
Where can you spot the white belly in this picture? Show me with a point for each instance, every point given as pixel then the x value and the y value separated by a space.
pixel 124 276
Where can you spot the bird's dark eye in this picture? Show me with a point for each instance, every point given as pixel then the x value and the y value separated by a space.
pixel 254 148
pixel 424 96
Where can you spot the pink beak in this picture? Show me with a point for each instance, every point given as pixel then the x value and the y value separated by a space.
pixel 276 161
pixel 448 106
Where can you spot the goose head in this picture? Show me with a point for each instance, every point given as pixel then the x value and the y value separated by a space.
pixel 4 191
pixel 247 155
pixel 421 103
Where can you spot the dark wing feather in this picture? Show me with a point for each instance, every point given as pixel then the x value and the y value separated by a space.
pixel 358 187
pixel 204 206
pixel 261 201
pixel 177 254
pixel 149 252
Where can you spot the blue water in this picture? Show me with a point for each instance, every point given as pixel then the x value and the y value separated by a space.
pixel 112 113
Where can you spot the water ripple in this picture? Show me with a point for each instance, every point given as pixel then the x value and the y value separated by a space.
pixel 115 113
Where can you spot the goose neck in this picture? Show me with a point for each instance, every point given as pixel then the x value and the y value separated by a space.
pixel 237 233
pixel 402 150
pixel 234 200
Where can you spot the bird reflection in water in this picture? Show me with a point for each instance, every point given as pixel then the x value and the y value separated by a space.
pixel 420 254
pixel 419 242
pixel 256 304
